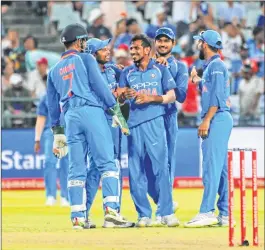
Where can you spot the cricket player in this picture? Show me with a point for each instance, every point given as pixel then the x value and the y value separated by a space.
pixel 42 130
pixel 100 49
pixel 76 84
pixel 214 130
pixel 148 136
pixel 164 42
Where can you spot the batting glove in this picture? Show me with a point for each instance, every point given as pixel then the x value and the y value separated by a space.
pixel 118 119
pixel 60 148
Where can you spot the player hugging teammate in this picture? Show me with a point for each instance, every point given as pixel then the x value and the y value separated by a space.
pixel 90 95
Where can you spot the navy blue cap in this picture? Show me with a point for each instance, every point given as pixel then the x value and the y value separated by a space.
pixel 95 44
pixel 73 32
pixel 165 32
pixel 211 37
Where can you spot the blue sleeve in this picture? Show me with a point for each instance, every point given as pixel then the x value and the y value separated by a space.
pixel 218 82
pixel 167 81
pixel 123 79
pixel 117 71
pixel 42 108
pixel 150 31
pixel 97 82
pixel 181 80
pixel 53 99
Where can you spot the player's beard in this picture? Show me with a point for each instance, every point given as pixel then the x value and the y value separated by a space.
pixel 201 54
pixel 82 45
pixel 100 61
pixel 138 62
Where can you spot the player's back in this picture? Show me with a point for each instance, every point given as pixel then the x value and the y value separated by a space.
pixel 70 77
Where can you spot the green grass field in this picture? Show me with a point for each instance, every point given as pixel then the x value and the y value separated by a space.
pixel 28 224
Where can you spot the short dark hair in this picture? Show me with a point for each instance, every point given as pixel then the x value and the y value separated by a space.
pixel 68 44
pixel 145 40
pixel 33 38
pixel 163 35
pixel 131 21
pixel 213 49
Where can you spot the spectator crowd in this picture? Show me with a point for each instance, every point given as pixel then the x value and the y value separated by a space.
pixel 240 23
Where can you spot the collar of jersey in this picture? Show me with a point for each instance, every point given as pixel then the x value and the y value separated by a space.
pixel 171 59
pixel 68 52
pixel 210 60
pixel 149 66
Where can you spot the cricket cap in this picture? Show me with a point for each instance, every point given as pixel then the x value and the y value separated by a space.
pixel 164 31
pixel 95 44
pixel 211 37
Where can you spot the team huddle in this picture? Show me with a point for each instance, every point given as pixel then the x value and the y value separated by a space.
pixel 91 92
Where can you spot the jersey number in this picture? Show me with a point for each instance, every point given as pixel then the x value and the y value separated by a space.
pixel 69 77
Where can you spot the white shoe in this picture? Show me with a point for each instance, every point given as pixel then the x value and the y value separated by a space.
pixel 158 222
pixel 175 206
pixel 89 224
pixel 202 220
pixel 50 201
pixel 64 202
pixel 109 224
pixel 223 221
pixel 144 222
pixel 114 219
pixel 170 220
pixel 79 223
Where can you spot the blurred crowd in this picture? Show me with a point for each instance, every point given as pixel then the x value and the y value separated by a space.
pixel 241 25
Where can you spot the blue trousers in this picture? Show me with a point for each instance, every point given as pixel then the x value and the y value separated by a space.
pixel 149 140
pixel 50 171
pixel 214 165
pixel 171 126
pixel 87 130
pixel 93 174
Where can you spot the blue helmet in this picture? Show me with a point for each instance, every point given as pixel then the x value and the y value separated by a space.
pixel 73 32
pixel 95 44
pixel 164 31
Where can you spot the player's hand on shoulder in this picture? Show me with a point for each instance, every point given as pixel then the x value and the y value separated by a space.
pixel 162 60
pixel 119 66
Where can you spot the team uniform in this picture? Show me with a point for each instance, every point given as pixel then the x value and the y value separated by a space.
pixel 77 84
pixel 179 73
pixel 215 91
pixel 148 137
pixel 50 171
pixel 111 75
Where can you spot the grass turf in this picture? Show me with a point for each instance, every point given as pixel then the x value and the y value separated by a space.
pixel 28 224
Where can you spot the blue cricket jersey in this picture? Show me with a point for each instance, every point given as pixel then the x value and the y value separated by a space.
pixel 214 86
pixel 155 80
pixel 42 110
pixel 179 72
pixel 76 76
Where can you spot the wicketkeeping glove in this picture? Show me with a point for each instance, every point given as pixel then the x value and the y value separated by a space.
pixel 118 119
pixel 60 148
